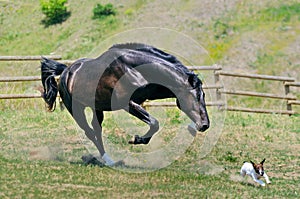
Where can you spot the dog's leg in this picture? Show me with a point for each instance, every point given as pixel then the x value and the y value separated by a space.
pixel 257 180
pixel 267 178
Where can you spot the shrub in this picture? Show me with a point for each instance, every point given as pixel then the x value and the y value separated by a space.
pixel 55 11
pixel 101 11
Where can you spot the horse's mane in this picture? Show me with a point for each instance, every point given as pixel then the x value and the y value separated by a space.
pixel 151 50
pixel 178 66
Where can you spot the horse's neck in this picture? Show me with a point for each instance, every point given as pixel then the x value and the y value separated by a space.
pixel 156 69
pixel 168 77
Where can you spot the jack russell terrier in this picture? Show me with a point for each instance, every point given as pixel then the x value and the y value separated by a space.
pixel 256 171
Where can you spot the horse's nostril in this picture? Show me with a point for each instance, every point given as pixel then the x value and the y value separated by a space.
pixel 204 127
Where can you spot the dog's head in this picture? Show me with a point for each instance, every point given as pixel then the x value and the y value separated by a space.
pixel 259 168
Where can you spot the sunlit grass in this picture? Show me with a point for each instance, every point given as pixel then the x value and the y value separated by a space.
pixel 44 150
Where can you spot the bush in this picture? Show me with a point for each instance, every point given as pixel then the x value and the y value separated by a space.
pixel 55 11
pixel 101 11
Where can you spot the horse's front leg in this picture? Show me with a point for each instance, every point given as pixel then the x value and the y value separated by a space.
pixel 139 112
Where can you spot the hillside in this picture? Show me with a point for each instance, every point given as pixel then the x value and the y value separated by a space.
pixel 242 35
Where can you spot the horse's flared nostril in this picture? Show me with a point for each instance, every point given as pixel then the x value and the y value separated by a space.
pixel 204 127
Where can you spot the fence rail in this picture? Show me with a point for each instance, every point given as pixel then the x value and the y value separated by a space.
pixel 173 104
pixel 217 87
pixel 28 58
pixel 296 84
pixel 20 79
pixel 296 102
pixel 19 96
pixel 211 68
pixel 254 110
pixel 256 94
pixel 255 76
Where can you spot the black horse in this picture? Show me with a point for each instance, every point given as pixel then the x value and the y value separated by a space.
pixel 123 78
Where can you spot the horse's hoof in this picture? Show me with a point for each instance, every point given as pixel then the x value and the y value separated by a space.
pixel 139 140
pixel 136 140
pixel 88 159
pixel 91 160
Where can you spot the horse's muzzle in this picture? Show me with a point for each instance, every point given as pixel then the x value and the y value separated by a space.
pixel 197 127
pixel 202 127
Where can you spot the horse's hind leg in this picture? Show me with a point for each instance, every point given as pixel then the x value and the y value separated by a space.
pixel 139 112
pixel 97 126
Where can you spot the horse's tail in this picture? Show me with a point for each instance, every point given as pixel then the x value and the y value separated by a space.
pixel 50 69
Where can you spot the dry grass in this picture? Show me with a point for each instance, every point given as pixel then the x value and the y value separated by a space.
pixel 41 152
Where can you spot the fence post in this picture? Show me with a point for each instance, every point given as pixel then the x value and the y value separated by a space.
pixel 217 82
pixel 287 92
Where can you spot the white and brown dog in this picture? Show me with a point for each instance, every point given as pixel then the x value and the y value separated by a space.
pixel 256 171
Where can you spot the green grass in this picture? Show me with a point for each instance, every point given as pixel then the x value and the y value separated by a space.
pixel 35 39
pixel 41 152
pixel 276 22
pixel 283 13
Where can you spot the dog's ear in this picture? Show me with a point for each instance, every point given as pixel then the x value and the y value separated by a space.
pixel 252 162
pixel 262 162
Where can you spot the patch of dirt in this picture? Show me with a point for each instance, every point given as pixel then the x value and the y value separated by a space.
pixel 240 56
pixel 236 178
pixel 44 153
pixel 293 52
pixel 180 14
pixel 208 168
pixel 247 180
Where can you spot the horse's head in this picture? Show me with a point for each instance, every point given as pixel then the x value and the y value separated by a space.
pixel 192 102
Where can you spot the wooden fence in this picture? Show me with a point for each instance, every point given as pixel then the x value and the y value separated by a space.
pixel 287 96
pixel 28 58
pixel 217 87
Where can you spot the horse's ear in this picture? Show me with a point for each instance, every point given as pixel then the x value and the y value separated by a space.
pixel 262 162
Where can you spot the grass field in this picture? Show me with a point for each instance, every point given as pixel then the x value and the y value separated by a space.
pixel 40 152
pixel 40 155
